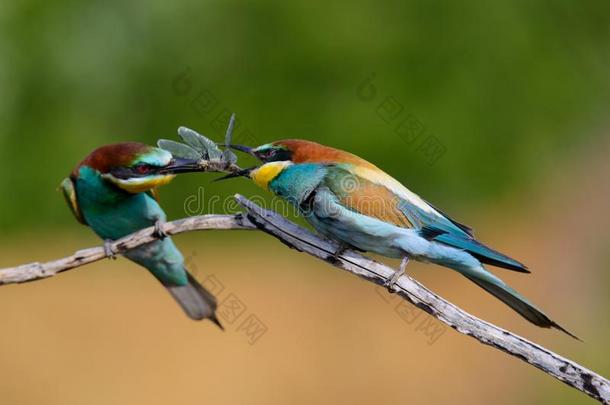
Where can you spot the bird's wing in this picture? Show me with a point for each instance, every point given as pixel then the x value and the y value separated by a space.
pixel 372 192
pixel 365 197
pixel 380 185
pixel 378 195
pixel 69 192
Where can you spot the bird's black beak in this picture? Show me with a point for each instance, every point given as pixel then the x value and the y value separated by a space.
pixel 239 173
pixel 180 165
pixel 242 148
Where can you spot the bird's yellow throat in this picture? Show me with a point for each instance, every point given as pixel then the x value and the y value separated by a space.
pixel 141 184
pixel 263 175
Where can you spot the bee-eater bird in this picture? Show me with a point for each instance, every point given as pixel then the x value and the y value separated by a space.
pixel 113 191
pixel 354 202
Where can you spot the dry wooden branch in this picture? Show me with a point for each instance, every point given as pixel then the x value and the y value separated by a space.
pixel 299 238
pixel 36 270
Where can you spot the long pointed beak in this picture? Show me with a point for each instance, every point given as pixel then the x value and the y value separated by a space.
pixel 180 165
pixel 242 148
pixel 239 173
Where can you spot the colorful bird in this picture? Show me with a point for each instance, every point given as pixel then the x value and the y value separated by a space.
pixel 354 202
pixel 113 191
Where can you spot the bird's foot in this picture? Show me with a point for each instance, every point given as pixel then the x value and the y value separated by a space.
pixel 340 250
pixel 159 232
pixel 391 283
pixel 108 249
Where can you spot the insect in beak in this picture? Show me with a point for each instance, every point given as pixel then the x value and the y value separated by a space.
pixel 239 173
pixel 180 165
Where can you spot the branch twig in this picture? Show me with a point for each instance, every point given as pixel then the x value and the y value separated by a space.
pixel 299 238
pixel 36 270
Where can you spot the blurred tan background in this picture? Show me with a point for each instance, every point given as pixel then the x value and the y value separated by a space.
pixel 515 95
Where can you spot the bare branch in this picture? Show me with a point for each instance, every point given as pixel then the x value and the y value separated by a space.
pixel 299 238
pixel 36 271
pixel 407 288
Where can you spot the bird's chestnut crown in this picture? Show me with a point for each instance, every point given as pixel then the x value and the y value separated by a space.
pixel 301 151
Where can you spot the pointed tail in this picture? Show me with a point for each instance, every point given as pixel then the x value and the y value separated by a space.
pixel 510 297
pixel 197 302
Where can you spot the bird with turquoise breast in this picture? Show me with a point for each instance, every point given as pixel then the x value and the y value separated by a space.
pixel 113 191
pixel 354 202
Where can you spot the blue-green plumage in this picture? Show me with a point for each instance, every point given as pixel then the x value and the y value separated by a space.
pixel 352 201
pixel 113 213
pixel 297 182
pixel 111 191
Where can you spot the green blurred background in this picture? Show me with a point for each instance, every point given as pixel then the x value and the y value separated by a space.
pixel 495 112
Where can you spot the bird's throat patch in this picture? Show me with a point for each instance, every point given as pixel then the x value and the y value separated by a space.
pixel 140 184
pixel 267 172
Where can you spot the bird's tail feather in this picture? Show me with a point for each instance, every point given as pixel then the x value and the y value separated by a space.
pixel 483 253
pixel 197 302
pixel 512 298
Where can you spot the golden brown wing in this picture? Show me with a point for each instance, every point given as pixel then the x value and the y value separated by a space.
pixel 366 197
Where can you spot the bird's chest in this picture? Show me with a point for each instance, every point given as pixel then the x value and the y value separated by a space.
pixel 116 222
pixel 297 182
pixel 112 215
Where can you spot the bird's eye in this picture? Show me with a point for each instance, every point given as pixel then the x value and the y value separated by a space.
pixel 143 169
pixel 267 154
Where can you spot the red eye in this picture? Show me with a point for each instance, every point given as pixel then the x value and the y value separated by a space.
pixel 142 169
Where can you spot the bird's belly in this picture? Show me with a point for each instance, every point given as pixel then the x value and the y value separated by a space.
pixel 160 257
pixel 392 241
pixel 374 235
pixel 377 239
pixel 110 225
pixel 113 221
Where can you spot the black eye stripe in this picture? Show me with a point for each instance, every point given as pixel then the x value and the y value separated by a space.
pixel 273 155
pixel 139 170
pixel 121 172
